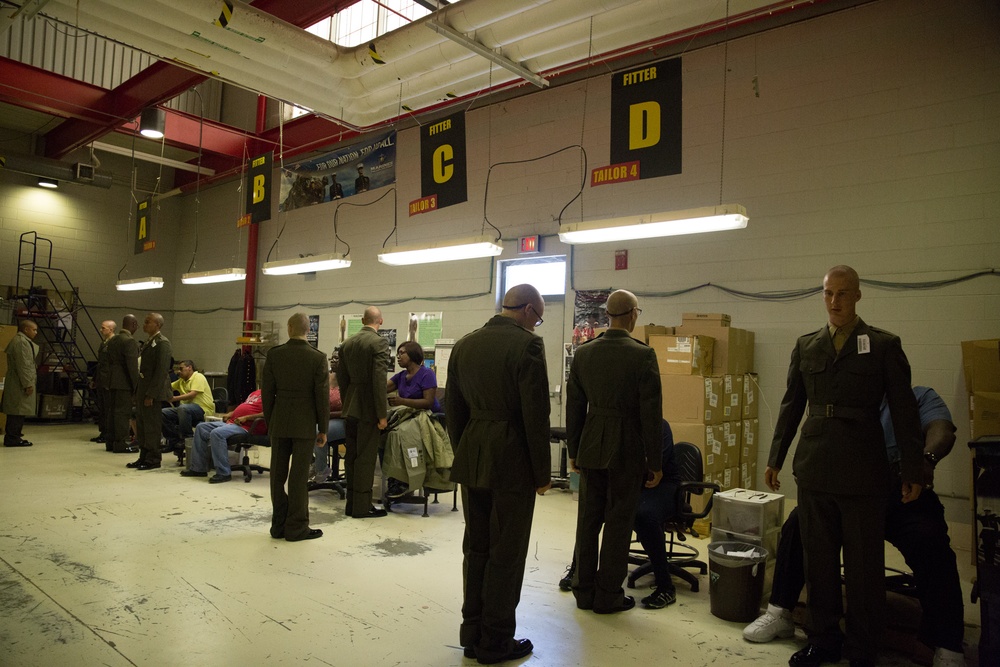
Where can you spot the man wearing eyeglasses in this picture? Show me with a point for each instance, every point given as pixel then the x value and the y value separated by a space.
pixel 614 424
pixel 497 402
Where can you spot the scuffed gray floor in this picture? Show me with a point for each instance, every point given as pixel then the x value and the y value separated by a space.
pixel 100 565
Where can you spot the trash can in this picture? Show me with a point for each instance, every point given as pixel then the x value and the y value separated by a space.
pixel 736 580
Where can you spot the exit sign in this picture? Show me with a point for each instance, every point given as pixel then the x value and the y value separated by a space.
pixel 621 260
pixel 528 245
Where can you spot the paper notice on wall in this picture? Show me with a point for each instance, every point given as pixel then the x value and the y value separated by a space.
pixel 425 328
pixel 349 325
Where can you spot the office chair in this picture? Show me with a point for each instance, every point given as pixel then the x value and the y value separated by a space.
pixel 242 442
pixel 220 396
pixel 679 554
pixel 335 437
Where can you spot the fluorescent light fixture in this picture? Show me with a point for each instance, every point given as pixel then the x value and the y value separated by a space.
pixel 48 183
pixel 134 284
pixel 152 122
pixel 308 264
pixel 476 47
pixel 672 223
pixel 216 276
pixel 442 251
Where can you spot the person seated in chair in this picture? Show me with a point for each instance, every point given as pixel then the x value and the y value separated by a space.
pixel 918 529
pixel 656 506
pixel 415 387
pixel 193 401
pixel 211 437
pixel 336 431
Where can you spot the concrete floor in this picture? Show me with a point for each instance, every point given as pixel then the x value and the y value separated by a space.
pixel 100 565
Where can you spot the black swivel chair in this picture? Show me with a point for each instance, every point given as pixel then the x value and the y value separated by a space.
pixel 679 554
pixel 220 396
pixel 242 442
pixel 335 437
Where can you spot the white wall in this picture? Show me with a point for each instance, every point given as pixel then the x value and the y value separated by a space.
pixel 874 142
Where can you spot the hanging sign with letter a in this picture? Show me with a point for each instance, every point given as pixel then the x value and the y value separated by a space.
pixel 645 124
pixel 259 188
pixel 144 227
pixel 443 177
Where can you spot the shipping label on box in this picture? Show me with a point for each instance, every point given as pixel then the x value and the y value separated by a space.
pixel 730 478
pixel 981 363
pixel 985 409
pixel 751 396
pixel 718 319
pixel 731 443
pixel 683 355
pixel 749 448
pixel 734 348
pixel 692 398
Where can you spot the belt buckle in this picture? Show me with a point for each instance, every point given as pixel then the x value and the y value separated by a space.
pixel 829 410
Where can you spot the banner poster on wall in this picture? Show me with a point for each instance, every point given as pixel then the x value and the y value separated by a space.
pixel 258 191
pixel 443 172
pixel 589 313
pixel 312 336
pixel 144 227
pixel 349 325
pixel 390 337
pixel 645 124
pixel 339 174
pixel 425 328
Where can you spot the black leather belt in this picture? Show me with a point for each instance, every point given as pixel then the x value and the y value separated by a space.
pixel 841 412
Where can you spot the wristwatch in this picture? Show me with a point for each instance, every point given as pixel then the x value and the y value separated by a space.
pixel 932 458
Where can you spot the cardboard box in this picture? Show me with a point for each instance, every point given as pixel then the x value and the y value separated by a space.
pixel 751 397
pixel 733 349
pixel 696 399
pixel 708 439
pixel 717 319
pixel 981 363
pixel 53 407
pixel 748 475
pixel 683 355
pixel 748 443
pixel 730 478
pixel 644 331
pixel 731 443
pixel 985 409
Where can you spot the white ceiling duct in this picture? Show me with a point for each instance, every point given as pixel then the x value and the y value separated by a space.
pixel 264 54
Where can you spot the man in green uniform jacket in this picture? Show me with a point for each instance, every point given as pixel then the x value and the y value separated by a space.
pixel 20 399
pixel 153 388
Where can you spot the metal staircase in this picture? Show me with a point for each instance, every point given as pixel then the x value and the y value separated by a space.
pixel 46 295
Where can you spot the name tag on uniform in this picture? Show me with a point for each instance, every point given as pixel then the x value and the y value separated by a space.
pixel 864 344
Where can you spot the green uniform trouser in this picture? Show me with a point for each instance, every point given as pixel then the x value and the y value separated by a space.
pixel 290 459
pixel 363 439
pixel 148 423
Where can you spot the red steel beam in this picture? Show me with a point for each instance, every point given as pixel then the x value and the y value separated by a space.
pixel 157 83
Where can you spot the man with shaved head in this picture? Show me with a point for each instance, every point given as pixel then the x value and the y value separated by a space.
pixel 614 428
pixel 123 362
pixel 101 383
pixel 365 359
pixel 295 392
pixel 153 387
pixel 497 402
pixel 838 377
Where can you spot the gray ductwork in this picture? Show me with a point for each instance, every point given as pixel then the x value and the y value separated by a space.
pixel 82 173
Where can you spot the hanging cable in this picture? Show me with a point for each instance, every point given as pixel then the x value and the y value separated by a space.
pixel 197 186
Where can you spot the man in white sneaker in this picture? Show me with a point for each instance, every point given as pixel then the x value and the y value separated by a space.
pixel 917 529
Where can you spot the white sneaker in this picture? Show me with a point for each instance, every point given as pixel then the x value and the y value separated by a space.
pixel 768 626
pixel 945 658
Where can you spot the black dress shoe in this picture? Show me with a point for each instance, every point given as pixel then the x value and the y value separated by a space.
pixel 373 513
pixel 518 649
pixel 148 466
pixel 814 656
pixel 862 662
pixel 20 443
pixel 134 464
pixel 99 438
pixel 219 479
pixel 469 652
pixel 312 534
pixel 278 536
pixel 627 603
pixel 193 473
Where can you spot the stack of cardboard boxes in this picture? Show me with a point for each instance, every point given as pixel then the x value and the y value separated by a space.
pixel 981 362
pixel 710 394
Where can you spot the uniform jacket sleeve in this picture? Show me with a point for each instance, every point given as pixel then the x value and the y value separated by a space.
pixel 533 383
pixel 456 407
pixel 268 388
pixel 905 412
pixel 380 361
pixel 321 392
pixel 23 360
pixel 651 411
pixel 793 405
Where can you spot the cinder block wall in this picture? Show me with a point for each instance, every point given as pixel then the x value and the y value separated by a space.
pixel 873 142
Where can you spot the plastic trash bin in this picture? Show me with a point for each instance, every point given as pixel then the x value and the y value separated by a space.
pixel 736 580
